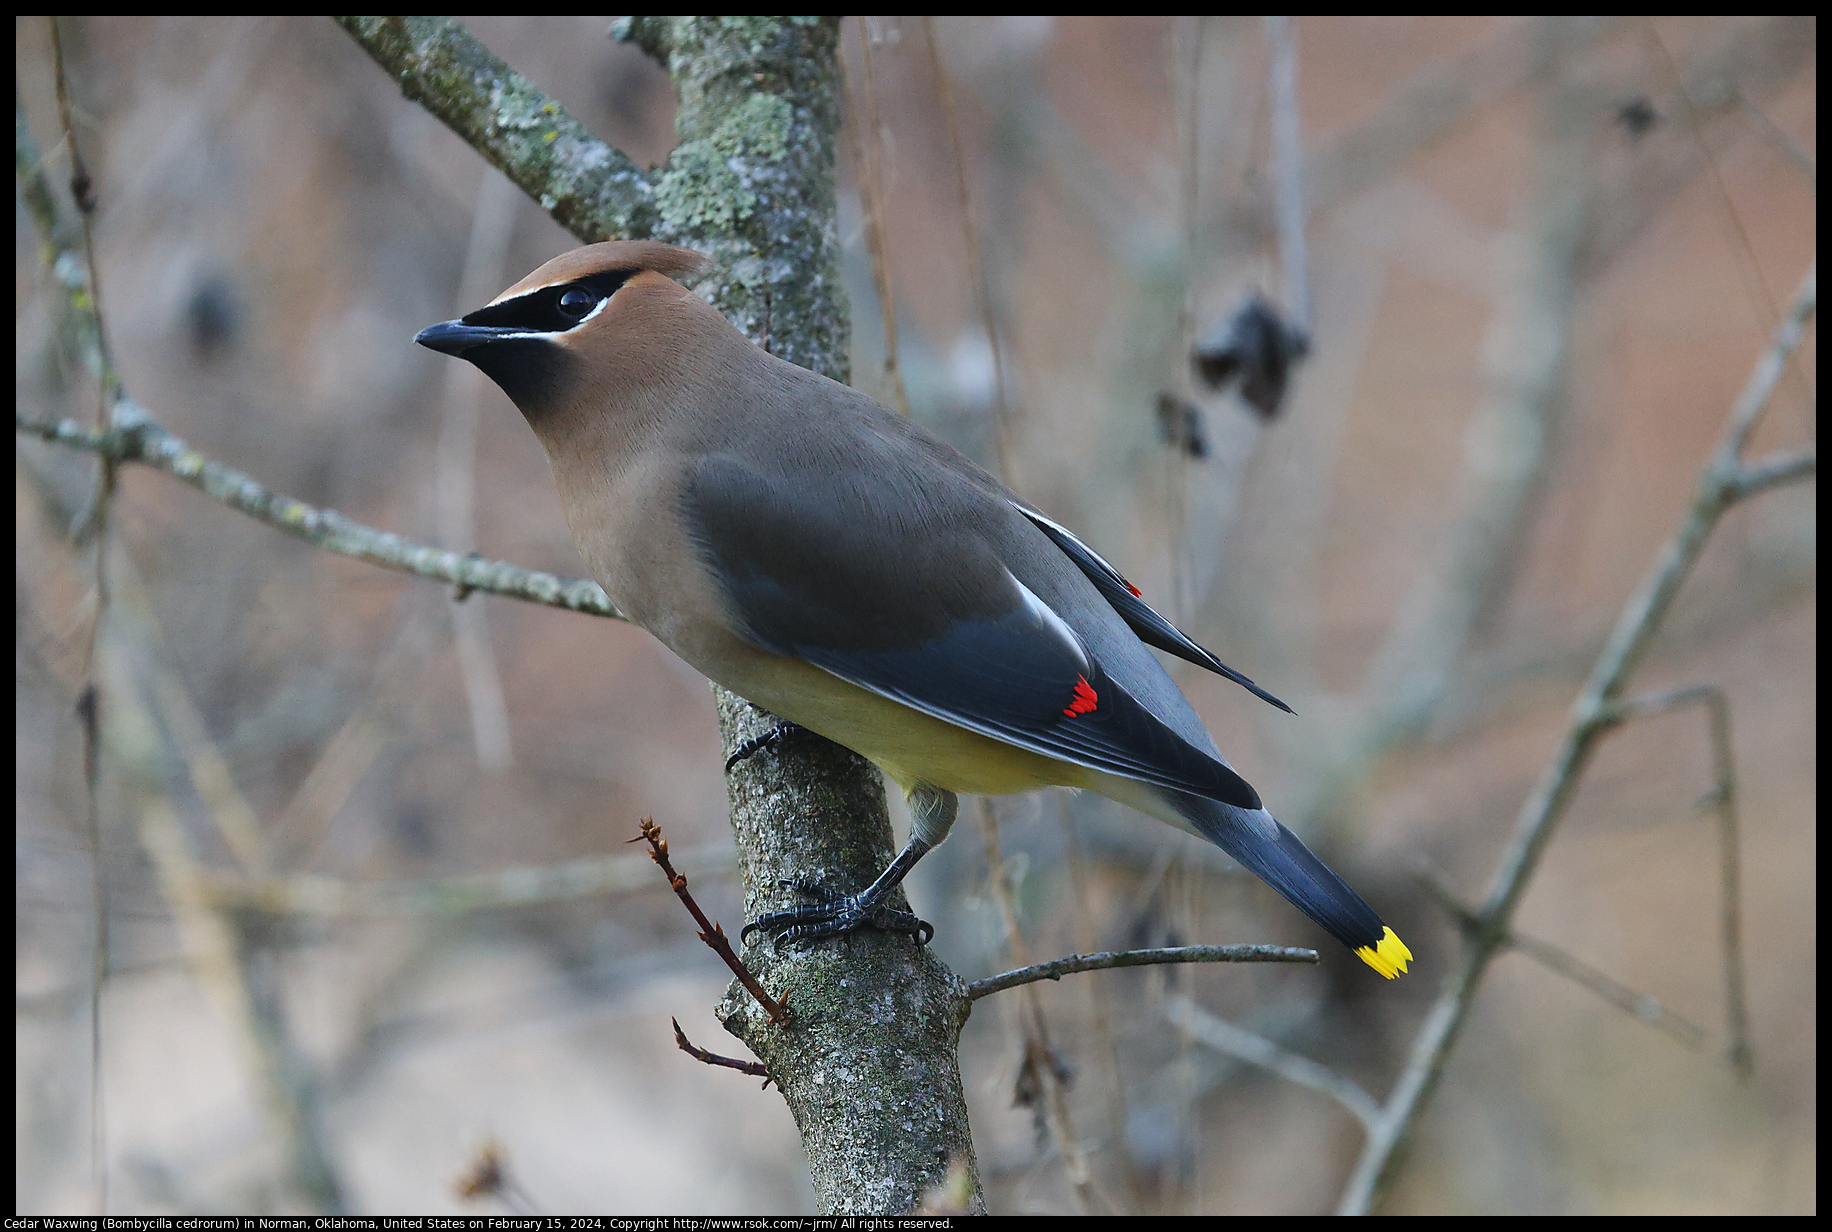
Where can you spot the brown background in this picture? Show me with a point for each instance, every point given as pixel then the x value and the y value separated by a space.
pixel 276 223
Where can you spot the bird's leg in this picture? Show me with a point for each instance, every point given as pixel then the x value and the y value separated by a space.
pixel 932 814
pixel 756 744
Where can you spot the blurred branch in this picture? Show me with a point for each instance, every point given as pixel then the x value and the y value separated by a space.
pixel 523 885
pixel 1593 714
pixel 134 436
pixel 1506 451
pixel 589 187
pixel 185 729
pixel 1756 57
pixel 1419 112
pixel 226 948
pixel 1288 168
pixel 1257 1050
pixel 365 734
pixel 492 225
pixel 1042 1082
pixel 1723 798
pixel 1773 471
pixel 239 976
pixel 976 266
pixel 139 438
pixel 867 133
pixel 1057 968
pixel 1643 1006
pixel 1782 140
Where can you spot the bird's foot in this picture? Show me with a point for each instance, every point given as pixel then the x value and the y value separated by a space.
pixel 833 915
pixel 756 744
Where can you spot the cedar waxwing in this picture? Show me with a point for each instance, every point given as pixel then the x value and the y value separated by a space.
pixel 828 560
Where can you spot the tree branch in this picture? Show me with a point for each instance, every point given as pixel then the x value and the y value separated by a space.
pixel 1642 1005
pixel 589 187
pixel 520 886
pixel 1257 1050
pixel 140 438
pixel 1591 716
pixel 1074 963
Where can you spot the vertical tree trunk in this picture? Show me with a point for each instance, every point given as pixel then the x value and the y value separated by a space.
pixel 868 1064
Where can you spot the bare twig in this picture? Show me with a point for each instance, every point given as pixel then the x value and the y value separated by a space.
pixel 1591 717
pixel 976 268
pixel 1723 798
pixel 224 946
pixel 1771 472
pixel 1781 139
pixel 329 897
pixel 753 1068
pixel 1643 1006
pixel 91 527
pixel 867 141
pixel 1257 1050
pixel 1102 1015
pixel 590 188
pixel 138 438
pixel 1057 968
pixel 1288 168
pixel 1419 111
pixel 492 226
pixel 1042 1076
pixel 710 933
pixel 1762 296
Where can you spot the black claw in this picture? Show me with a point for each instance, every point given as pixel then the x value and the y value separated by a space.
pixel 835 915
pixel 756 744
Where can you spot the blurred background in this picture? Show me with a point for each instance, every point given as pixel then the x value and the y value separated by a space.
pixel 1543 256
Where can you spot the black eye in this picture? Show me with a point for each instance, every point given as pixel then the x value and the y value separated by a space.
pixel 576 303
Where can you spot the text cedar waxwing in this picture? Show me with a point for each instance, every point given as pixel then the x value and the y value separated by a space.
pixel 828 560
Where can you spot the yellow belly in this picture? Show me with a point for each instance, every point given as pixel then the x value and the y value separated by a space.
pixel 909 746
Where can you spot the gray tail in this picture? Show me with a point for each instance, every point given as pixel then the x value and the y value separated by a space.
pixel 1277 857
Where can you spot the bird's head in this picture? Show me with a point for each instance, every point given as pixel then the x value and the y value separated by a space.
pixel 588 320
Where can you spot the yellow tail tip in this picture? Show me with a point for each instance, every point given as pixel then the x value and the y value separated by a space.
pixel 1389 957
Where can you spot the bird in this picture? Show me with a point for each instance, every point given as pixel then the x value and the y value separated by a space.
pixel 828 560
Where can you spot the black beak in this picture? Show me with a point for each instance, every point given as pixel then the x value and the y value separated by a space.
pixel 456 338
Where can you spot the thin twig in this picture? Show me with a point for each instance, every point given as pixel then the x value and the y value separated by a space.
pixel 1097 991
pixel 1074 963
pixel 1552 795
pixel 867 134
pixel 1781 139
pixel 590 188
pixel 454 485
pixel 755 1069
pixel 1257 1050
pixel 1771 472
pixel 137 437
pixel 1643 1006
pixel 331 898
pixel 976 269
pixel 1756 278
pixel 1288 168
pixel 91 528
pixel 1723 798
pixel 710 933
pixel 1042 1075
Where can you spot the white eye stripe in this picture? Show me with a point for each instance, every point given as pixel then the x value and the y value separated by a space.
pixel 596 309
pixel 551 333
